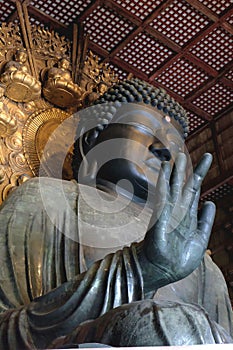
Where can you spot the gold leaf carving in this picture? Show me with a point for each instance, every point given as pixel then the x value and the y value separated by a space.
pixel 49 44
pixel 20 85
pixel 38 129
pixel 27 117
pixel 8 124
pixel 10 36
pixel 13 165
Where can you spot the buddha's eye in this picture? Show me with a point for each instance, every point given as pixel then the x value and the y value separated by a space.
pixel 162 154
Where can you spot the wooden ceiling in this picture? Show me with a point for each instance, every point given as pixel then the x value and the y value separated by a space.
pixel 184 46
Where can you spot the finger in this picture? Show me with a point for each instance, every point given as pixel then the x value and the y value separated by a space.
pixel 194 207
pixel 193 211
pixel 201 170
pixel 206 220
pixel 162 185
pixel 177 177
pixel 194 182
pixel 161 193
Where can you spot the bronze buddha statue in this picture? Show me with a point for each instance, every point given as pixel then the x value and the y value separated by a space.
pixel 64 252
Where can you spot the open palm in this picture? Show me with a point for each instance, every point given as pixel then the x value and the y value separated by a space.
pixel 175 244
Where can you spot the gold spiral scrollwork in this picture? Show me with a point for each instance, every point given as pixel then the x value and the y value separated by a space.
pixel 2 174
pixel 14 142
pixel 8 124
pixel 17 161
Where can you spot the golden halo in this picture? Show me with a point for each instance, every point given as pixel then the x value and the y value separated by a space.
pixel 36 133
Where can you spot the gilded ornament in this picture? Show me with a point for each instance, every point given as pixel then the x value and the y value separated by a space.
pixel 59 88
pixel 2 174
pixel 8 124
pixel 38 131
pixel 2 91
pixel 17 161
pixel 96 78
pixel 14 142
pixel 49 44
pixel 9 38
pixel 20 85
pixel 29 57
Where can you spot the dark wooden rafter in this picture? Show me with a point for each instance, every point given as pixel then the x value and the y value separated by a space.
pixel 185 50
pixel 49 21
pixel 139 24
pixel 217 182
pixel 219 156
pixel 203 9
pixel 178 51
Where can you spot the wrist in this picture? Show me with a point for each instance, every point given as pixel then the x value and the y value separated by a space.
pixel 154 276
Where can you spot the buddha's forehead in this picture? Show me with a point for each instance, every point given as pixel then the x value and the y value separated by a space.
pixel 156 122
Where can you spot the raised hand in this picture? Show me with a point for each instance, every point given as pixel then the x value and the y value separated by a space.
pixel 175 244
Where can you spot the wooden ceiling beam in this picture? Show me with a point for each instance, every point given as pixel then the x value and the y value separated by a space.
pixel 220 76
pixel 203 9
pixel 163 39
pixel 198 111
pixel 164 4
pixel 227 27
pixel 126 67
pixel 219 155
pixel 134 19
pixel 200 90
pixel 201 64
pixel 217 182
pixel 123 44
pixel 89 9
pixel 186 49
pixel 45 19
pixel 183 51
pixel 227 82
pixel 166 65
pixel 12 17
pixel 116 61
pixel 97 49
pixel 139 25
pixel 122 11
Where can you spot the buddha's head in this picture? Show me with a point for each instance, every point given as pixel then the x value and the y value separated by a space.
pixel 102 87
pixel 137 126
pixel 21 56
pixel 64 63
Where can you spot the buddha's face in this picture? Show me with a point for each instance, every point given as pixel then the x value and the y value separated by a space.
pixel 64 63
pixel 21 56
pixel 129 152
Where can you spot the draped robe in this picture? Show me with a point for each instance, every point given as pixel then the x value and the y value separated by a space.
pixel 50 238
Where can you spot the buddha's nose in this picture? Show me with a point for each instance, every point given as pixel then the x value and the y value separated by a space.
pixel 162 154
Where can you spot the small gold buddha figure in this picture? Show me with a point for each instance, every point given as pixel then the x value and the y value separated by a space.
pixel 95 93
pixel 59 87
pixel 20 85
